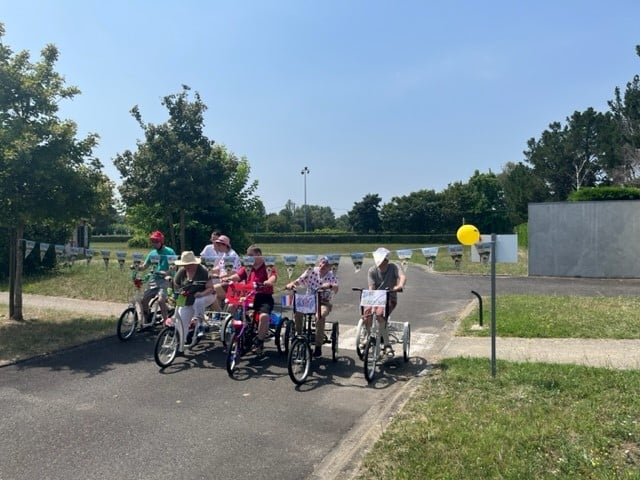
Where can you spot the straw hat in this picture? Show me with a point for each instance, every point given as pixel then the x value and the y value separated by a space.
pixel 187 258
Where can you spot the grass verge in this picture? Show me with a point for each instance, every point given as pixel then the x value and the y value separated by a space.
pixel 532 421
pixel 47 330
pixel 539 316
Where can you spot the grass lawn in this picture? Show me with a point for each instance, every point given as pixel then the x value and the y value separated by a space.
pixel 533 421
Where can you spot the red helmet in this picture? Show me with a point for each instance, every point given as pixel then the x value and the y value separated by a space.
pixel 157 236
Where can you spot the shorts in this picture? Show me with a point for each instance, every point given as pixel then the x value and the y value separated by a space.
pixel 263 303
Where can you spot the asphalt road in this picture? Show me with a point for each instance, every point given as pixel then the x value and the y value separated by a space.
pixel 105 410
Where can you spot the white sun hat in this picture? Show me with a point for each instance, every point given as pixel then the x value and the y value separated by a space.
pixel 380 255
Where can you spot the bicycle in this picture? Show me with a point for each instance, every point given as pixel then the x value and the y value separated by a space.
pixel 240 330
pixel 299 357
pixel 369 341
pixel 172 339
pixel 133 318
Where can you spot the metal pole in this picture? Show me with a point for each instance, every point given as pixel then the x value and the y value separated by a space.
pixel 493 305
pixel 479 306
pixel 304 173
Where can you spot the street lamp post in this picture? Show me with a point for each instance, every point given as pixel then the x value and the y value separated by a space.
pixel 305 171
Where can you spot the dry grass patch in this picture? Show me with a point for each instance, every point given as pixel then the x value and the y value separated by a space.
pixel 46 330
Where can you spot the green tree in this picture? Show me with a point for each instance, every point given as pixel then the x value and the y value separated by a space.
pixel 521 186
pixel 47 175
pixel 178 176
pixel 418 212
pixel 625 109
pixel 364 217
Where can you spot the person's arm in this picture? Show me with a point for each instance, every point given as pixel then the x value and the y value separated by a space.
pixel 402 279
pixel 331 284
pixel 273 278
pixel 297 281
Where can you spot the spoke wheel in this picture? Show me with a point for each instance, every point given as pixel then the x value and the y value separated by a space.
pixel 406 341
pixel 227 332
pixel 166 347
pixel 335 335
pixel 233 353
pixel 299 361
pixel 127 323
pixel 361 339
pixel 370 358
pixel 288 335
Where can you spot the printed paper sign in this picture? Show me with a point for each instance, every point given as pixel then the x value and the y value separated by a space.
pixel 373 298
pixel 305 304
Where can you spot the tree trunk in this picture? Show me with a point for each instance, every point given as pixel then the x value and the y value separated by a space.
pixel 19 270
pixel 16 260
pixel 172 233
pixel 12 270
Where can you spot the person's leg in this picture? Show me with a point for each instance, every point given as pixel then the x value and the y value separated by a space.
pixel 220 292
pixel 201 304
pixel 263 326
pixel 186 314
pixel 297 317
pixel 162 298
pixel 146 298
pixel 388 350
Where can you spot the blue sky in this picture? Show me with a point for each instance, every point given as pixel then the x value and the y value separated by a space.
pixel 386 97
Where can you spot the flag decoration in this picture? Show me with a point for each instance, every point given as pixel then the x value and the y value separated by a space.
pixel 291 262
pixel 287 300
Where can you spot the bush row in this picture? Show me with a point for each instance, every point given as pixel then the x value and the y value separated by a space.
pixel 328 238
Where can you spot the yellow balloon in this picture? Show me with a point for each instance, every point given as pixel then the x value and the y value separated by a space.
pixel 468 235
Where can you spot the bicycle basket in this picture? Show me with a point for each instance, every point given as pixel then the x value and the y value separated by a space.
pixel 274 319
pixel 238 292
pixel 181 300
pixel 305 304
pixel 373 298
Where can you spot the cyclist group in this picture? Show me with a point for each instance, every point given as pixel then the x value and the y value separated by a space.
pixel 208 286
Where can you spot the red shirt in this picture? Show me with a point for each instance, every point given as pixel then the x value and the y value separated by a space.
pixel 259 275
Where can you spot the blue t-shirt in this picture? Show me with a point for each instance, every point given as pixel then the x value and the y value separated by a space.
pixel 164 252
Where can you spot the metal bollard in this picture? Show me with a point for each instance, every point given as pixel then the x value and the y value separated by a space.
pixel 479 306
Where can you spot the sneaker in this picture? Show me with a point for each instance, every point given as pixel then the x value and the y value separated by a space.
pixel 200 331
pixel 388 351
pixel 258 346
pixel 168 322
pixel 317 352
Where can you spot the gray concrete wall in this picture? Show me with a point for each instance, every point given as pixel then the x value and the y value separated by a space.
pixel 585 239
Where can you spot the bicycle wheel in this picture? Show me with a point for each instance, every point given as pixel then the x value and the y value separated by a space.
pixel 335 334
pixel 127 324
pixel 362 336
pixel 155 313
pixel 288 335
pixel 227 332
pixel 406 341
pixel 370 358
pixel 299 361
pixel 233 353
pixel 166 347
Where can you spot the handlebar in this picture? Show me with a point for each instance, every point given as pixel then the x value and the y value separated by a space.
pixel 389 290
